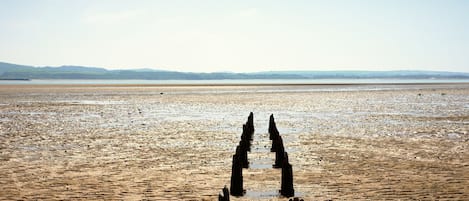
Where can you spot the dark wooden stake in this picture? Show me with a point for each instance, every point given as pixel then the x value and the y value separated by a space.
pixel 225 196
pixel 242 154
pixel 279 152
pixel 236 188
pixel 287 178
pixel 272 128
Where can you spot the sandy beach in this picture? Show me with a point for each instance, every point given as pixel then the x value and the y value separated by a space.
pixel 156 142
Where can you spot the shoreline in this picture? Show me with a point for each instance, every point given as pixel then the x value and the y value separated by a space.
pixel 232 85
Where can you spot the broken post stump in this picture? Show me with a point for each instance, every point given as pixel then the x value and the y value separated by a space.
pixel 287 178
pixel 296 199
pixel 225 196
pixel 236 187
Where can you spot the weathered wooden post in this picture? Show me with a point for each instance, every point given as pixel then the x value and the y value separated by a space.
pixel 276 142
pixel 225 196
pixel 244 135
pixel 272 127
pixel 245 143
pixel 250 126
pixel 242 154
pixel 279 152
pixel 274 135
pixel 236 188
pixel 296 199
pixel 287 178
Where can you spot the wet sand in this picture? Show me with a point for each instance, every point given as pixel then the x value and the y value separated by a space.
pixel 147 142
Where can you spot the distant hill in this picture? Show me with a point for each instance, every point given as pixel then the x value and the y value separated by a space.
pixel 7 67
pixel 375 74
pixel 14 71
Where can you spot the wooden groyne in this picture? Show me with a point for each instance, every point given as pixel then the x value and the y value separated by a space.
pixel 240 161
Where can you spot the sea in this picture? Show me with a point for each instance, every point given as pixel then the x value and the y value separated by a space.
pixel 228 81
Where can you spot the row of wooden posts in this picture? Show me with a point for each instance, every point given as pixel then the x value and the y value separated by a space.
pixel 240 161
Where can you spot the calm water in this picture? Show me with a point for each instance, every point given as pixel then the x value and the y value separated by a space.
pixel 244 81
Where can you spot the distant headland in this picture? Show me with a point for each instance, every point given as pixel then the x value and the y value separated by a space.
pixel 10 71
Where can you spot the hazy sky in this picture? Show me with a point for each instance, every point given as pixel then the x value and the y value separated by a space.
pixel 240 36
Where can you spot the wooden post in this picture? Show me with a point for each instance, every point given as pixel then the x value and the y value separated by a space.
pixel 225 196
pixel 274 135
pixel 279 153
pixel 236 187
pixel 242 154
pixel 287 178
pixel 272 128
pixel 250 126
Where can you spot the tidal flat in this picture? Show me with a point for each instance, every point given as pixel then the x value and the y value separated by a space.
pixel 156 142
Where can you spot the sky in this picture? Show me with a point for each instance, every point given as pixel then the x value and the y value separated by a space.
pixel 238 36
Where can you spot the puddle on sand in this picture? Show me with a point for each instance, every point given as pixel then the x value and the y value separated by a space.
pixel 262 194
pixel 266 149
pixel 95 102
pixel 5 119
pixel 261 149
pixel 260 166
pixel 267 194
pixel 78 102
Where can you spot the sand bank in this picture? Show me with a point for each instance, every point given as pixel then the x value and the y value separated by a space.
pixel 345 142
